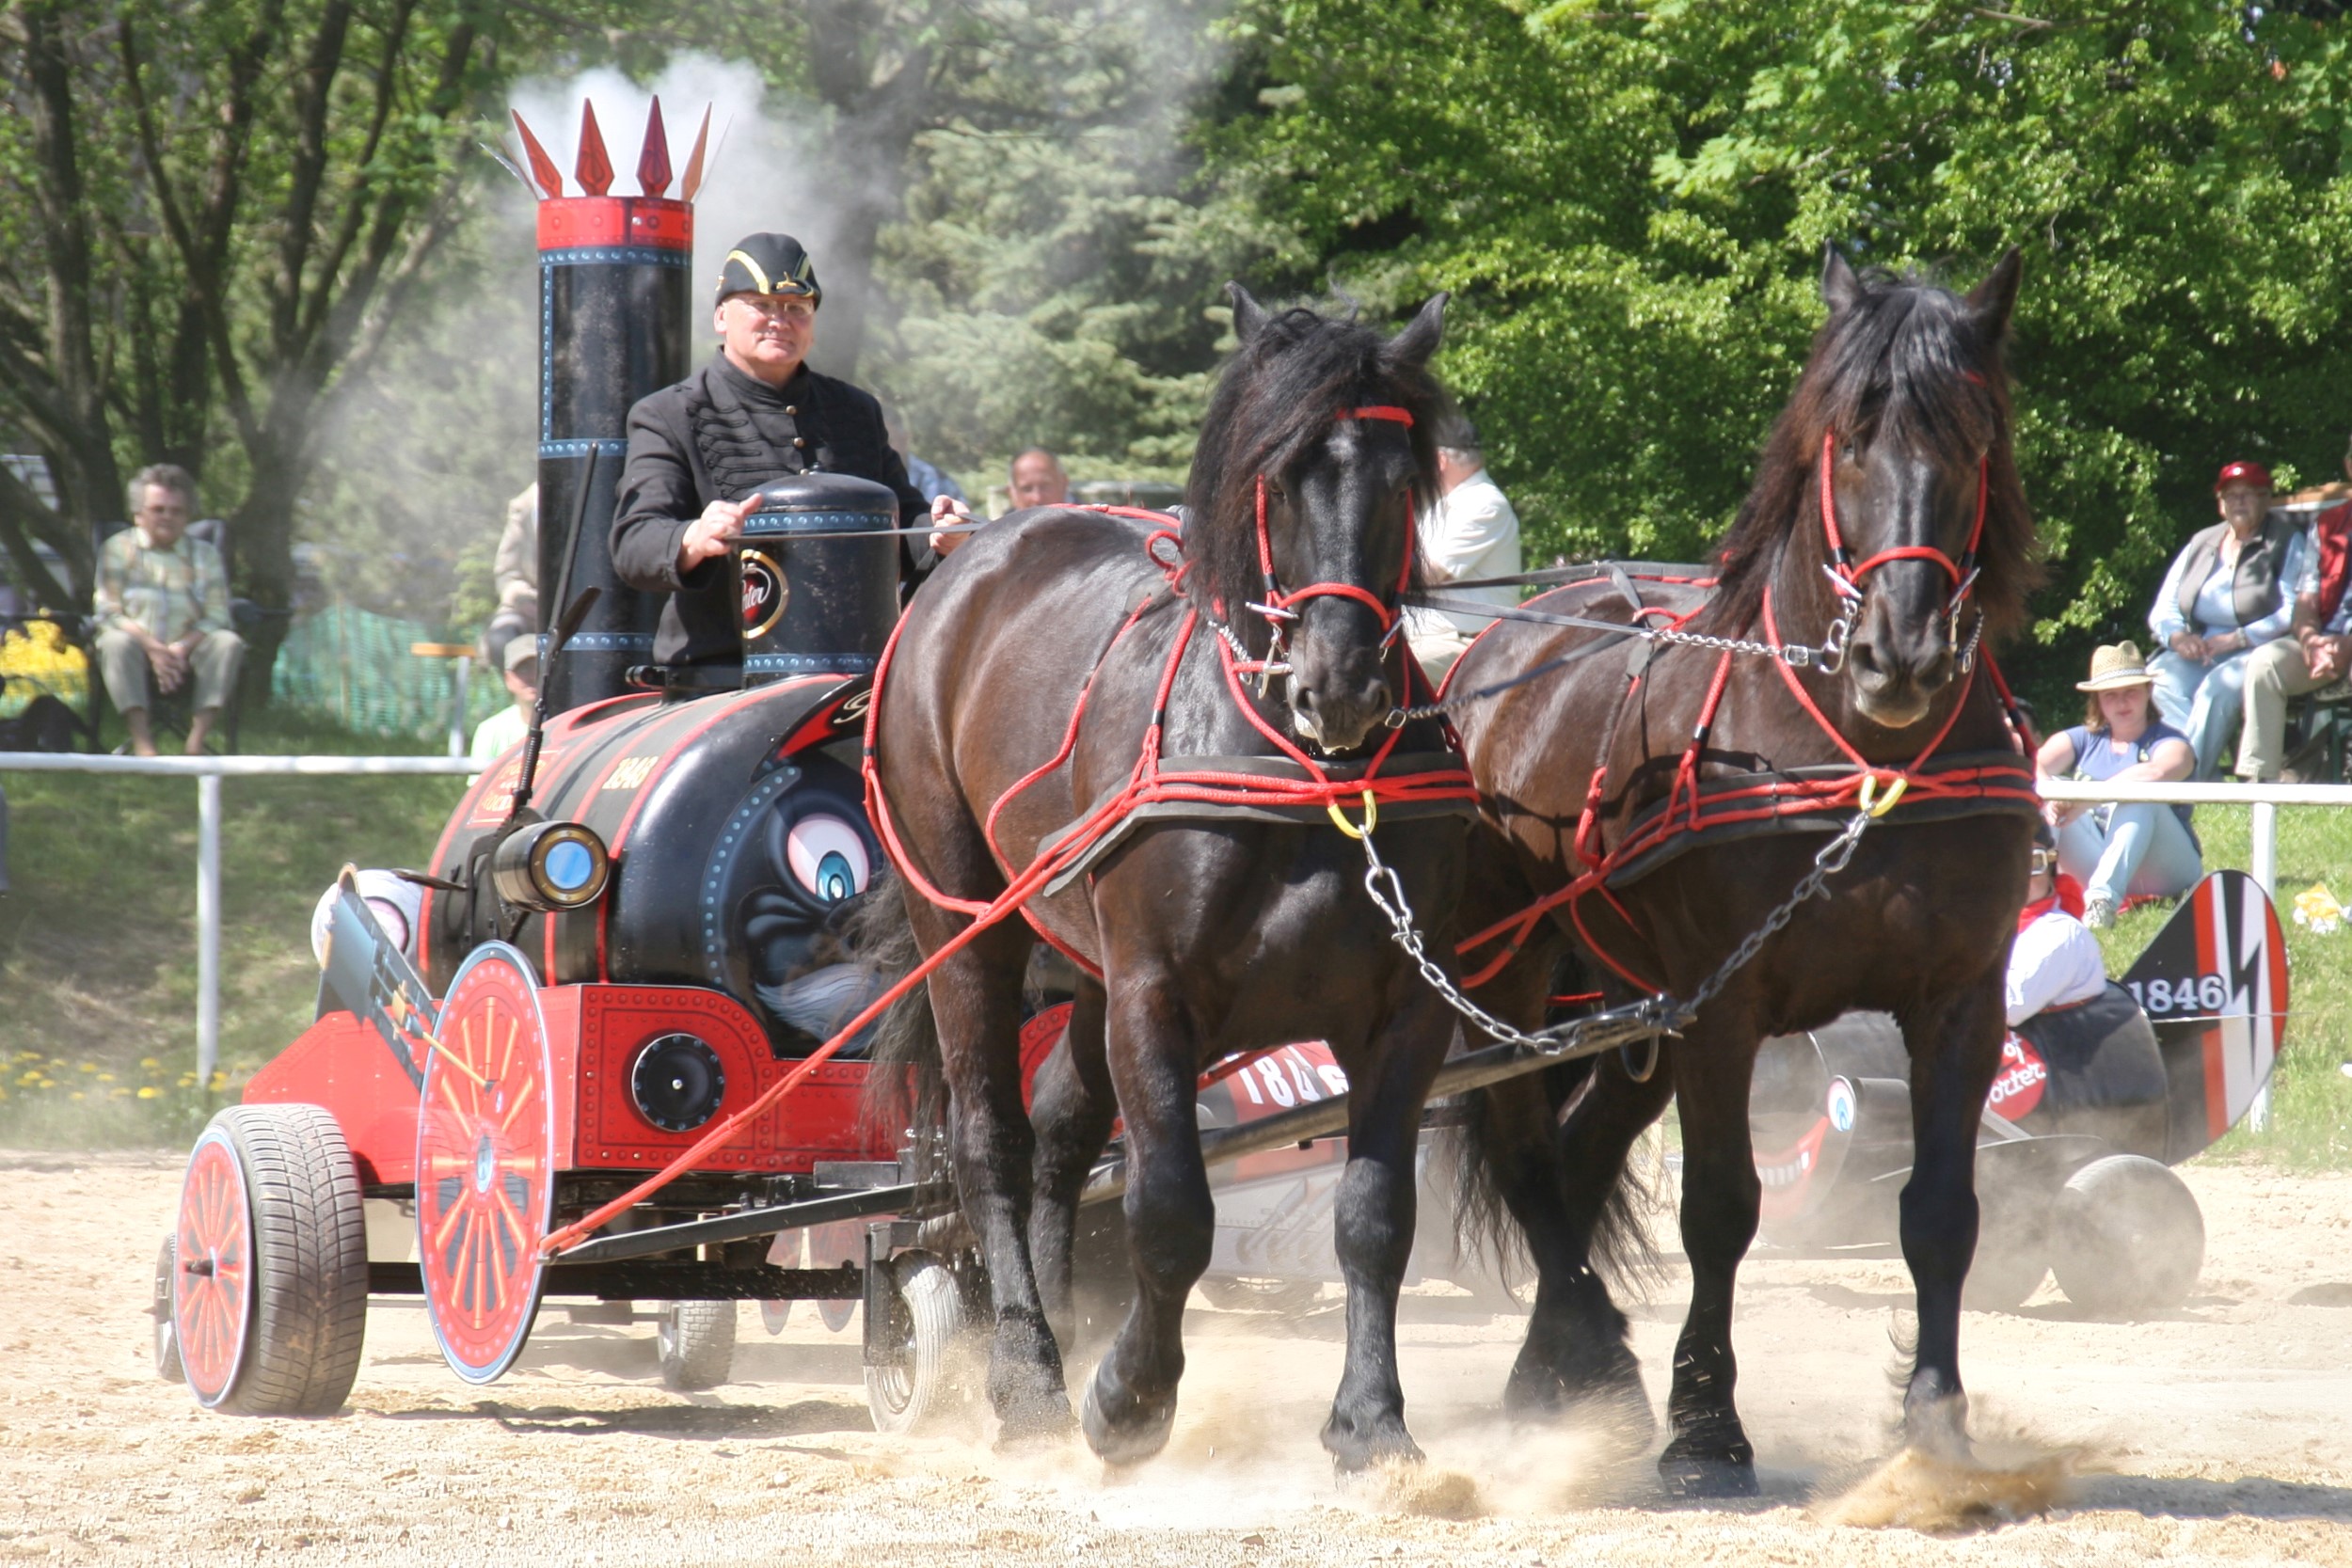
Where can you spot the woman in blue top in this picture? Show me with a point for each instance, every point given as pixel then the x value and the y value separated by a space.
pixel 2121 850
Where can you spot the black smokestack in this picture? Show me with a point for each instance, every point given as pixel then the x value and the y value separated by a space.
pixel 615 293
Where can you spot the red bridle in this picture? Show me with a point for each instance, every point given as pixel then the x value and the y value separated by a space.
pixel 1848 577
pixel 1277 607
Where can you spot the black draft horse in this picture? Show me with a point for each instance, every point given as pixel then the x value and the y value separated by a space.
pixel 1905 397
pixel 1048 635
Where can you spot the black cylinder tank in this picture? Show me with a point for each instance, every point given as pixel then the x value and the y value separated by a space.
pixel 818 605
pixel 615 296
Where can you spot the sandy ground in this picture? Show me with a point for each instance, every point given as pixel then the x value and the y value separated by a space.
pixel 2223 1432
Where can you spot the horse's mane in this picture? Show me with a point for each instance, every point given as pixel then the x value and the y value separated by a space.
pixel 1280 392
pixel 1909 359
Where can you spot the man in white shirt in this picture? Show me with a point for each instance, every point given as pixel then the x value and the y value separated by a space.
pixel 2054 962
pixel 1469 533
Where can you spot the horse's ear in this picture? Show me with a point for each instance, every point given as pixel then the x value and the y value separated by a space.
pixel 1411 348
pixel 1840 288
pixel 1992 301
pixel 1249 315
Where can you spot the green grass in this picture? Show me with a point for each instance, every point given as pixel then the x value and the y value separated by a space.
pixel 98 937
pixel 98 942
pixel 2311 1126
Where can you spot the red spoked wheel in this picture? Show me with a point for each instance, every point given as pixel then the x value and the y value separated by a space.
pixel 213 1295
pixel 268 1265
pixel 486 1189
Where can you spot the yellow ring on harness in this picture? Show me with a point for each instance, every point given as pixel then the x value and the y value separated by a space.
pixel 1869 802
pixel 1372 816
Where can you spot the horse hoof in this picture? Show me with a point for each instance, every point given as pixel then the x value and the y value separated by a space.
pixel 1139 1437
pixel 1695 1476
pixel 1354 1450
pixel 1032 1422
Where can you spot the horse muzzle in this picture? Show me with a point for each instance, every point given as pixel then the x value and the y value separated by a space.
pixel 1896 679
pixel 1335 709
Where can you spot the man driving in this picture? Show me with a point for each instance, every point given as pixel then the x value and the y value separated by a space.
pixel 699 450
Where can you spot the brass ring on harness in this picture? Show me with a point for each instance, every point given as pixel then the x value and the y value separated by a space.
pixel 1372 816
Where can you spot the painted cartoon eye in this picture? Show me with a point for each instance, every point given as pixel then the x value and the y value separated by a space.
pixel 828 858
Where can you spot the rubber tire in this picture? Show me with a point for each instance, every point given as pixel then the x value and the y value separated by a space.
pixel 2133 1238
pixel 2012 1240
pixel 166 1336
pixel 695 1342
pixel 926 1376
pixel 309 1309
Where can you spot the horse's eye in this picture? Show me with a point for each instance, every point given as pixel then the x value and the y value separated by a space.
pixel 1848 454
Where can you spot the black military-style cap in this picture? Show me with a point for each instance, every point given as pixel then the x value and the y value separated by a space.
pixel 768 265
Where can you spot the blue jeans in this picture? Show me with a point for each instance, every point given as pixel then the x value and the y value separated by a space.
pixel 2129 851
pixel 2202 702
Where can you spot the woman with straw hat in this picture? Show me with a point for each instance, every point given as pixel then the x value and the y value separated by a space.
pixel 2120 851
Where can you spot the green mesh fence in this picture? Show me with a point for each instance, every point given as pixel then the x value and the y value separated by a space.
pixel 354 667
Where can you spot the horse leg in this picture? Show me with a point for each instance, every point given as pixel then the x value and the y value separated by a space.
pixel 1710 1454
pixel 1955 1050
pixel 1072 1108
pixel 1154 1053
pixel 1576 1356
pixel 1374 1227
pixel 976 996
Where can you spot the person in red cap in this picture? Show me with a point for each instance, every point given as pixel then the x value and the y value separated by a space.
pixel 2317 653
pixel 2230 592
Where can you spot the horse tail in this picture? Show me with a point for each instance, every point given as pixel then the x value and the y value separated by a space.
pixel 906 1091
pixel 1490 1158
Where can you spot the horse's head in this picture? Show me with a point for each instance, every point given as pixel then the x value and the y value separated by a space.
pixel 1888 498
pixel 1904 471
pixel 1317 446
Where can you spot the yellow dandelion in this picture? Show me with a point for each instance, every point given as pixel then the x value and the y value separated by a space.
pixel 89 1067
pixel 75 1095
pixel 105 1077
pixel 220 1081
pixel 151 1092
pixel 150 1063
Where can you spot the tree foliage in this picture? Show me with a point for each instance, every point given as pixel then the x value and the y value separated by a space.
pixel 1631 206
pixel 217 212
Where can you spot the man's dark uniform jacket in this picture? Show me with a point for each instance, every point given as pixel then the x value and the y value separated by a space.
pixel 720 434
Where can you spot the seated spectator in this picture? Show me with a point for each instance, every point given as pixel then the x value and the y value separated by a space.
pixel 515 573
pixel 1038 480
pixel 504 730
pixel 2116 850
pixel 162 611
pixel 1469 531
pixel 2317 652
pixel 2230 591
pixel 2054 962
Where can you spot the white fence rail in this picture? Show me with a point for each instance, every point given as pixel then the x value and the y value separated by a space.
pixel 2265 799
pixel 208 773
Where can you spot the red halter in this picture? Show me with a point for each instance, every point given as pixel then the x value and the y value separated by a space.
pixel 1277 607
pixel 1848 576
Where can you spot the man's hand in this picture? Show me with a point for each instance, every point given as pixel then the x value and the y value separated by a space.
pixel 947 509
pixel 2329 655
pixel 708 537
pixel 170 662
pixel 2190 646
